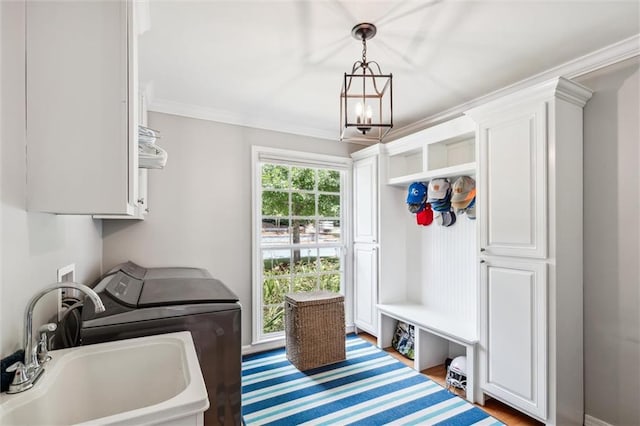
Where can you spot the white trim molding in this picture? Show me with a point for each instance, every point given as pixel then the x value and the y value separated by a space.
pixel 592 421
pixel 279 343
pixel 590 62
pixel 263 346
pixel 227 117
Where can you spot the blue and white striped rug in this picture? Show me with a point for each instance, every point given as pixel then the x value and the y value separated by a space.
pixel 369 388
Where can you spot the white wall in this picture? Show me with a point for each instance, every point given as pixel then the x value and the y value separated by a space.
pixel 612 244
pixel 33 245
pixel 1 139
pixel 201 202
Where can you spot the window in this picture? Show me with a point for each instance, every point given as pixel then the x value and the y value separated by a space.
pixel 299 241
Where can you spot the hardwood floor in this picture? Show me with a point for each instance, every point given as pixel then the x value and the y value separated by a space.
pixel 497 409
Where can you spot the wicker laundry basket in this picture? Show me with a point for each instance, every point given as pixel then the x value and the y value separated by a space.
pixel 315 332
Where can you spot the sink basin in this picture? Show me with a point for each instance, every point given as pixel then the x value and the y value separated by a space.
pixel 147 380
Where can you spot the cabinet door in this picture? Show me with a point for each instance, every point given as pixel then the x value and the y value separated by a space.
pixel 81 112
pixel 513 333
pixel 512 185
pixel 366 287
pixel 365 200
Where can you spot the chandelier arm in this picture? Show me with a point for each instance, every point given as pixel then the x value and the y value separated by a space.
pixel 377 65
pixel 373 78
pixel 357 65
pixel 348 86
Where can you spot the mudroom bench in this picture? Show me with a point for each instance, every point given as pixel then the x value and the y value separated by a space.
pixel 437 337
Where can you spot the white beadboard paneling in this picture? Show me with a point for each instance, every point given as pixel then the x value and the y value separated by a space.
pixel 448 268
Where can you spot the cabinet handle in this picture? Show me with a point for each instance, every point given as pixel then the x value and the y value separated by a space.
pixel 483 261
pixel 482 249
pixel 140 200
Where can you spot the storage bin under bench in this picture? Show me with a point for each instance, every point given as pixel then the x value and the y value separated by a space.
pixel 433 334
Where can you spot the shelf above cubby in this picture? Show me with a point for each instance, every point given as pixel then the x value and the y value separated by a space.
pixel 467 169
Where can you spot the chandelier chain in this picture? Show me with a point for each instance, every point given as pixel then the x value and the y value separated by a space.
pixel 364 51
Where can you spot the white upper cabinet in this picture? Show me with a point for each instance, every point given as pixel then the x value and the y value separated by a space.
pixel 365 198
pixel 512 182
pixel 82 150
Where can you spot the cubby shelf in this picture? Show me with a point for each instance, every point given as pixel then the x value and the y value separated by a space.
pixel 467 169
pixel 443 151
pixel 433 335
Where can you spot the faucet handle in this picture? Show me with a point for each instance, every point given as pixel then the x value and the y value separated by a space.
pixel 48 327
pixel 21 375
pixel 16 366
pixel 24 378
pixel 43 345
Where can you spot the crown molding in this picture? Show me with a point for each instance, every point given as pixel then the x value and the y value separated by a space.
pixel 558 87
pixel 372 150
pixel 226 117
pixel 590 62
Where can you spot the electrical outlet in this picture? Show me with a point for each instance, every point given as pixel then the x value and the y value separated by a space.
pixel 65 274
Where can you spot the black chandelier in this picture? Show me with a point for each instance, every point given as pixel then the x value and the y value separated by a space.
pixel 366 99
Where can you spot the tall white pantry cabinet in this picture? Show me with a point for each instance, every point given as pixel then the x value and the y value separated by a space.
pixel 365 248
pixel 375 233
pixel 528 349
pixel 530 246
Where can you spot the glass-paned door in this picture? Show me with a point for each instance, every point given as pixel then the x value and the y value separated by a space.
pixel 301 236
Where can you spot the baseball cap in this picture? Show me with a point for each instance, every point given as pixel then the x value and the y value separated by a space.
pixel 438 189
pixel 471 209
pixel 417 193
pixel 415 208
pixel 425 216
pixel 462 188
pixel 441 205
pixel 464 203
pixel 446 218
pixel 471 212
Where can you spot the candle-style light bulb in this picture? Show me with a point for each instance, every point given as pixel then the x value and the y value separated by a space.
pixel 369 114
pixel 359 108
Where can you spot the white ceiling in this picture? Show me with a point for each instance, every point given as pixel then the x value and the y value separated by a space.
pixel 279 64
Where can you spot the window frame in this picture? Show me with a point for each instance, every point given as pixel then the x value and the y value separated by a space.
pixel 261 155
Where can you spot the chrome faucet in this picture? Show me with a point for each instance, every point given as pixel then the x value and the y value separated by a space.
pixel 31 369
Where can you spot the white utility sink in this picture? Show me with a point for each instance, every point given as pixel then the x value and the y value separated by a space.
pixel 147 380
